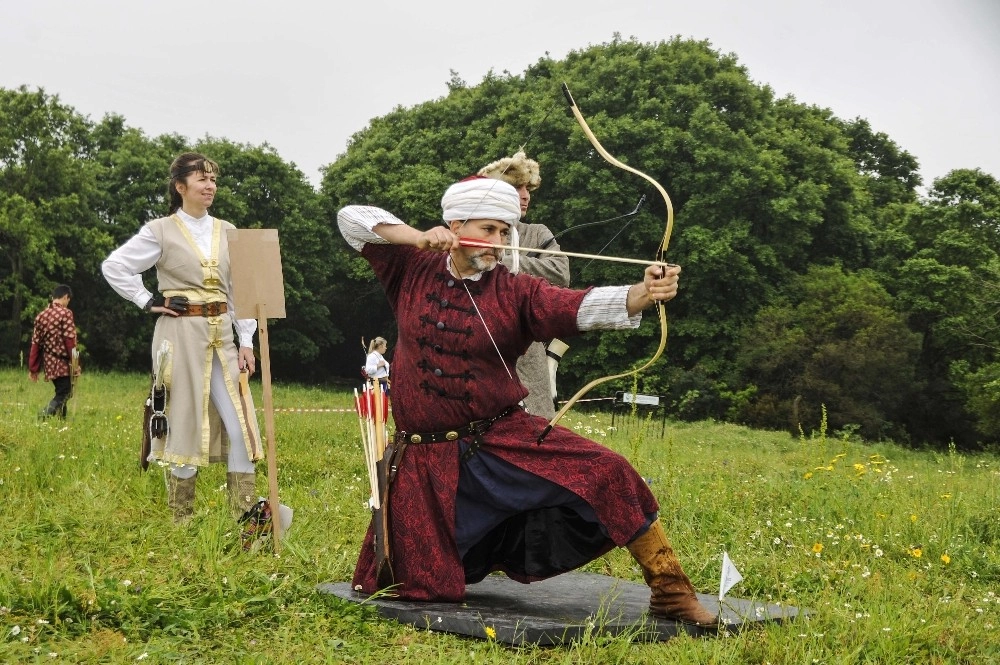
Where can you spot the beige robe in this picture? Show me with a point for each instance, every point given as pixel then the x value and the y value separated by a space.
pixel 533 366
pixel 196 435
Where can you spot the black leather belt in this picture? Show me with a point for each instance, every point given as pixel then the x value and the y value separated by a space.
pixel 474 428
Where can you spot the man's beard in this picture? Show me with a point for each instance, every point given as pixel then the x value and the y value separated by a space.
pixel 480 264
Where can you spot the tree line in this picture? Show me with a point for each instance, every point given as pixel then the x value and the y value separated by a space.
pixel 820 283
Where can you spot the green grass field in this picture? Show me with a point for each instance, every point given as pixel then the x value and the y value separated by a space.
pixel 895 552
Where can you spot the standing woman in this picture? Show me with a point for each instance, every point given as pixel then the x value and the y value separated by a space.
pixel 376 366
pixel 193 338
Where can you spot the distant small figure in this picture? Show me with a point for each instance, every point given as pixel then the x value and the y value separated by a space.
pixel 52 344
pixel 376 366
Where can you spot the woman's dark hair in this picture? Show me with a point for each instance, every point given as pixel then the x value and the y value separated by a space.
pixel 181 168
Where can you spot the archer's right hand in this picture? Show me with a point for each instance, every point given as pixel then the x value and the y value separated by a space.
pixel 437 239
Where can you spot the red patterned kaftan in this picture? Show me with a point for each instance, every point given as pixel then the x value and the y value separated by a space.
pixel 52 341
pixel 447 373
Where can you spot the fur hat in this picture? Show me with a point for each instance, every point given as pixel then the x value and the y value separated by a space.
pixel 517 170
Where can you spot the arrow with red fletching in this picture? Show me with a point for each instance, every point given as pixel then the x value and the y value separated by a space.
pixel 482 244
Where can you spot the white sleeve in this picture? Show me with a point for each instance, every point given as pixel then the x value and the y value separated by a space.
pixel 245 328
pixel 124 267
pixel 356 224
pixel 371 364
pixel 603 308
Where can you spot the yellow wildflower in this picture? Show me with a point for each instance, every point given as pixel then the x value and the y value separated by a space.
pixel 818 547
pixel 913 518
pixel 916 552
pixel 945 559
pixel 809 474
pixel 491 633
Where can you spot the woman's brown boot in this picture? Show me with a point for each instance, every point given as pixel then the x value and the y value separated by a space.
pixel 180 497
pixel 673 596
pixel 242 490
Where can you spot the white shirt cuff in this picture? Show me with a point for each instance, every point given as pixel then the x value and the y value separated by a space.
pixel 603 308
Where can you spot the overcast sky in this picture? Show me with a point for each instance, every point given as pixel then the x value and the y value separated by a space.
pixel 304 75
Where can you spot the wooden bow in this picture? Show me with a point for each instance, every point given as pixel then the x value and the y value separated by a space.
pixel 661 250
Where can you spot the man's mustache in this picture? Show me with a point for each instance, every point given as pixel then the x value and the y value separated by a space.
pixel 488 252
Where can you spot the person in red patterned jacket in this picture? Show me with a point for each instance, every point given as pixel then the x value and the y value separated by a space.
pixel 52 344
pixel 474 493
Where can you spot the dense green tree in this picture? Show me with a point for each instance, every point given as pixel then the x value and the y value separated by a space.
pixel 834 341
pixel 946 279
pixel 762 188
pixel 48 206
pixel 890 173
pixel 814 275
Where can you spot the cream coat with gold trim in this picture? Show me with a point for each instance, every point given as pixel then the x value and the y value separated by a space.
pixel 196 434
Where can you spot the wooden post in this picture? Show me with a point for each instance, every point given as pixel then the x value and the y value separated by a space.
pixel 258 287
pixel 272 452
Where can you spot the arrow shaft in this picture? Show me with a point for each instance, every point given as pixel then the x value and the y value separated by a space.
pixel 466 242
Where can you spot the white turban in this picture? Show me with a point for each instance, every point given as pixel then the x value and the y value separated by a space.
pixel 481 198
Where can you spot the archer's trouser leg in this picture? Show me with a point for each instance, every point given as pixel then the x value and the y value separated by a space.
pixel 51 408
pixel 242 490
pixel 64 386
pixel 57 405
pixel 180 497
pixel 672 595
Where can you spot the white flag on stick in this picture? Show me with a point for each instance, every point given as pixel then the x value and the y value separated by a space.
pixel 730 576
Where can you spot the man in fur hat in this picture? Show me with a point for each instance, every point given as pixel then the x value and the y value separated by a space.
pixel 473 491
pixel 532 368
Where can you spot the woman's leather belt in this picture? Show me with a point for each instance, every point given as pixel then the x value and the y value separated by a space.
pixel 203 309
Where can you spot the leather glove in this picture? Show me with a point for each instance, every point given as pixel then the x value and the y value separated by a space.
pixel 177 304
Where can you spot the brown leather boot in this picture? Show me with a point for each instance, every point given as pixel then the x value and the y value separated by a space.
pixel 180 497
pixel 673 596
pixel 242 490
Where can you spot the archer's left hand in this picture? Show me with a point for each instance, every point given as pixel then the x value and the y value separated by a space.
pixel 661 283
